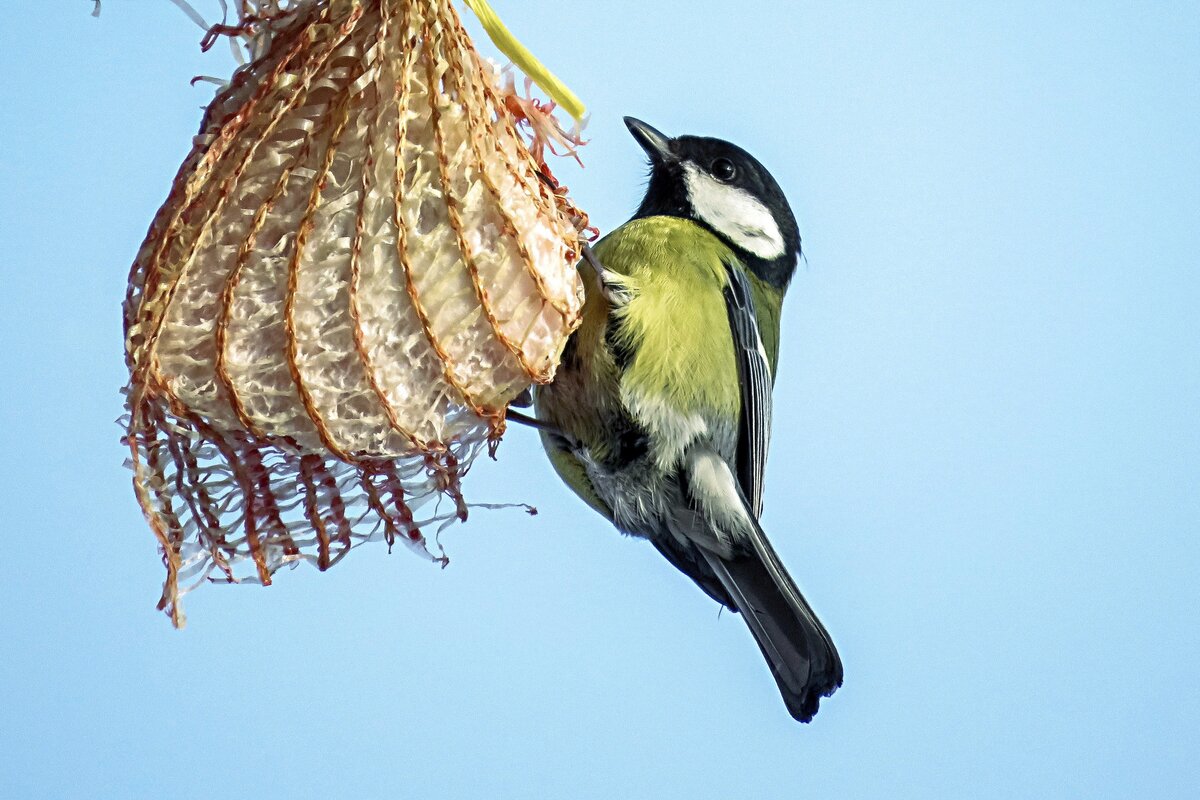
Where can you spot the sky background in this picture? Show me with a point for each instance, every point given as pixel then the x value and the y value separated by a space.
pixel 984 474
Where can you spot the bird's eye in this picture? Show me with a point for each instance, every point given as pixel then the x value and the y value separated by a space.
pixel 723 170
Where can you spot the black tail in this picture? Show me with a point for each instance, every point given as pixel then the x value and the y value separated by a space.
pixel 797 647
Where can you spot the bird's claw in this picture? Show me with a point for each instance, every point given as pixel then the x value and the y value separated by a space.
pixel 523 400
pixel 612 285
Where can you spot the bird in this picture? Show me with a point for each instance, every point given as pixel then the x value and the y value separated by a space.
pixel 659 414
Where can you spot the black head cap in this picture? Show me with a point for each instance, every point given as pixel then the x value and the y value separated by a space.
pixel 722 187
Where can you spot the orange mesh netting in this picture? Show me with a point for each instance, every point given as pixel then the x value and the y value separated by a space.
pixel 359 265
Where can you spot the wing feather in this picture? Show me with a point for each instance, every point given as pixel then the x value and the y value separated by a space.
pixel 754 375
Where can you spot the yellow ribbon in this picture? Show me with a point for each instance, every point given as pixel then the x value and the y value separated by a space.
pixel 525 60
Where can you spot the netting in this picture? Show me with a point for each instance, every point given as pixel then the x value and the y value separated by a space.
pixel 362 261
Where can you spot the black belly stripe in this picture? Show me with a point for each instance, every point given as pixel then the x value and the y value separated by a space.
pixel 622 353
pixel 632 445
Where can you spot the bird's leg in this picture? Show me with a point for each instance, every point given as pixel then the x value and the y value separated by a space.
pixel 525 400
pixel 532 422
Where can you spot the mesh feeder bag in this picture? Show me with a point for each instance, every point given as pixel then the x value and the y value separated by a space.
pixel 361 262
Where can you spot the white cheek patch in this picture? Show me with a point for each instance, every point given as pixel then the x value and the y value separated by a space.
pixel 734 213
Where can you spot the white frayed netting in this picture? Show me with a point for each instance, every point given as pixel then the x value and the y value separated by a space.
pixel 359 265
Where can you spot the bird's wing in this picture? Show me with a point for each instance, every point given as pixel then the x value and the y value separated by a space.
pixel 755 379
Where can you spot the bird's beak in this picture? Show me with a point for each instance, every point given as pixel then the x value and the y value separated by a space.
pixel 656 145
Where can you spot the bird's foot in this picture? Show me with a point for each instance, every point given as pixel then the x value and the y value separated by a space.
pixel 612 284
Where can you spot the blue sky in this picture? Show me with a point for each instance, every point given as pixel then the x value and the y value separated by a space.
pixel 984 472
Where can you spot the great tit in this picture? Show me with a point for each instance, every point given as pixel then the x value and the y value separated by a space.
pixel 659 416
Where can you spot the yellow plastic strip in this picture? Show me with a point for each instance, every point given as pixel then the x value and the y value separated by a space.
pixel 525 60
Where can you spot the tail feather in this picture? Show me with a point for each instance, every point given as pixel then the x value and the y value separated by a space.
pixel 797 647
